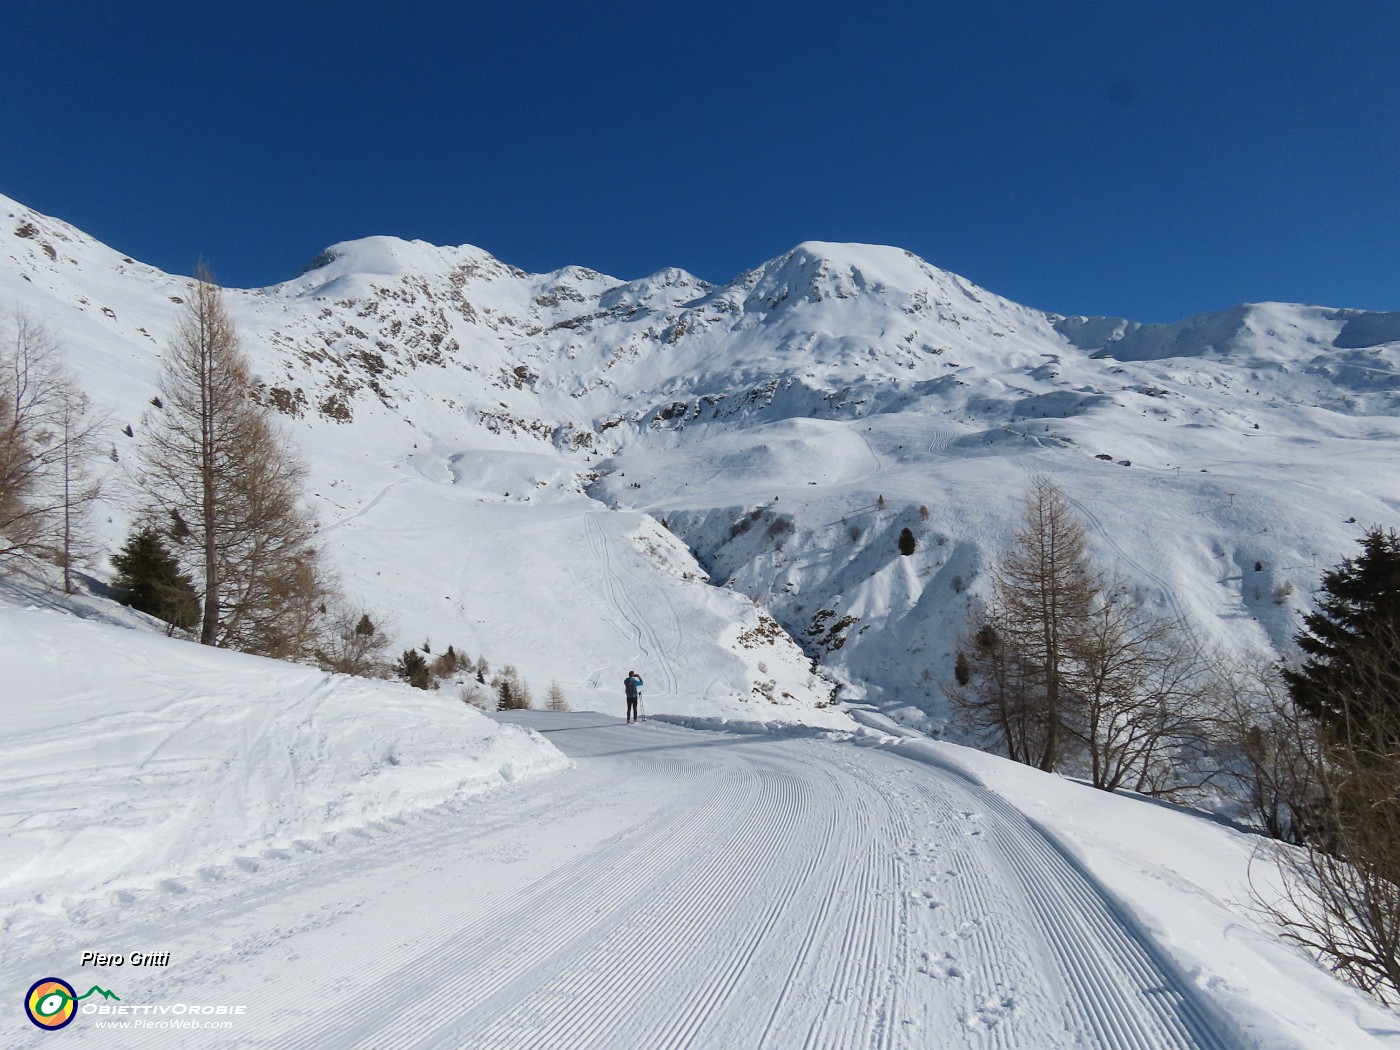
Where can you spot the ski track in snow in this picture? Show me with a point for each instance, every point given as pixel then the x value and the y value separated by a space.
pixel 365 507
pixel 942 437
pixel 677 889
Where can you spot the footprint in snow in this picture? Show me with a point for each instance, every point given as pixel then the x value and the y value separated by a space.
pixel 968 929
pixel 990 1012
pixel 944 969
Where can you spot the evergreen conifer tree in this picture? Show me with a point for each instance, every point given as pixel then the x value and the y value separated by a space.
pixel 1353 646
pixel 907 543
pixel 505 693
pixel 150 580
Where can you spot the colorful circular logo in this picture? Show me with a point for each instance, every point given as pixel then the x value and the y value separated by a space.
pixel 51 1003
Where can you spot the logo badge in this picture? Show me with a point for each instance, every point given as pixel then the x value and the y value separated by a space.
pixel 51 1003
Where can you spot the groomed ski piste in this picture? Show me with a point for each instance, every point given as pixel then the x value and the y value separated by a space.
pixel 358 864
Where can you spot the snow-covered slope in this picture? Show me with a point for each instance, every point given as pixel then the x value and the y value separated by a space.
pixel 448 504
pixel 467 422
pixel 131 759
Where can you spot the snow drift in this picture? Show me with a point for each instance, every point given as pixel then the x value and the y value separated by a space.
pixel 130 758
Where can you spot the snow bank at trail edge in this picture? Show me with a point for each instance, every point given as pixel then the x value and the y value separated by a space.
pixel 129 757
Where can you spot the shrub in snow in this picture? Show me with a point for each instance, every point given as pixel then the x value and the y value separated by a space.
pixel 413 669
pixel 923 512
pixel 354 644
pixel 907 543
pixel 449 663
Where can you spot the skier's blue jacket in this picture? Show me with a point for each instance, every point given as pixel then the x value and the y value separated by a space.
pixel 632 683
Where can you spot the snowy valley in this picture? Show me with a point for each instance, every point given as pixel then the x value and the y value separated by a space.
pixel 580 475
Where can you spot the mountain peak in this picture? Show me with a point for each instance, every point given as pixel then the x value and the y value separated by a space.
pixel 348 266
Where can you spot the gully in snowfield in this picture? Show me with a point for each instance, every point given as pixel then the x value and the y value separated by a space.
pixel 633 684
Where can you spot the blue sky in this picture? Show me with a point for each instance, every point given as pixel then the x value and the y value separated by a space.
pixel 1141 159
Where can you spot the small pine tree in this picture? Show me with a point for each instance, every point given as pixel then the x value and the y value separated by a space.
pixel 923 513
pixel 961 671
pixel 413 669
pixel 907 543
pixel 880 503
pixel 150 580
pixel 511 691
pixel 505 695
pixel 555 699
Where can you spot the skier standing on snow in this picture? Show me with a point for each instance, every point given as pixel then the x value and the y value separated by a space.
pixel 632 683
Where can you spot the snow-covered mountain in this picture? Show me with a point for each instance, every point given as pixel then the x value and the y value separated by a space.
pixel 582 476
pixel 467 422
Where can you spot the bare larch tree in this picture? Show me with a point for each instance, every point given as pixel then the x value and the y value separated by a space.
pixel 228 488
pixel 48 449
